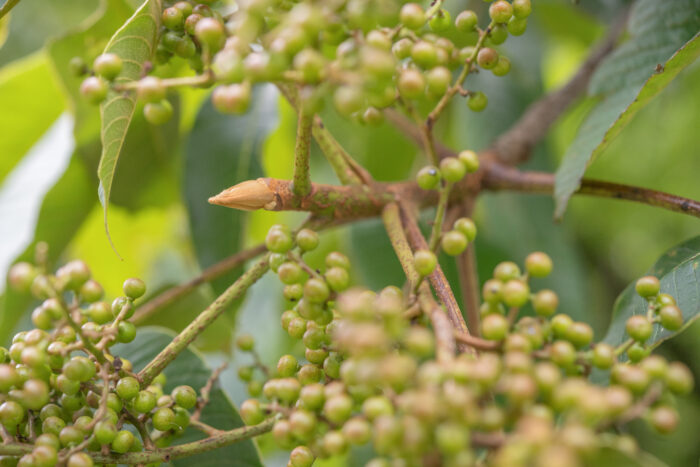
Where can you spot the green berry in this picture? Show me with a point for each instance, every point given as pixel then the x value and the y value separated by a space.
pixel 603 356
pixel 173 18
pixel 679 379
pixel 79 369
pixel 664 299
pixel 307 239
pixel 561 324
pixel 545 302
pixel 122 442
pixel 424 54
pixel 664 419
pixel 210 33
pixel 470 159
pixel 245 342
pixel 428 177
pixel 158 113
pixel 126 332
pixel 671 317
pixel 647 286
pixel 144 401
pixel 338 408
pixel 538 264
pixel 517 26
pixel 105 432
pixel 494 327
pixel 639 328
pixel 438 80
pixel 163 419
pixel 251 412
pixel 231 99
pixel 77 66
pixel 454 242
pixel 521 8
pixel 301 456
pixel 348 100
pixel 580 334
pixel 91 291
pixel 441 21
pixel 94 89
pixel 337 279
pixel 467 227
pixel 108 66
pixel 477 101
pixel 516 293
pixel 424 262
pixel 45 456
pixel 336 259
pixel 316 290
pixel 134 288
pixel 412 16
pixel 290 273
pixel 411 84
pixel 452 169
pixel 80 459
pixel 562 353
pixel 500 11
pixel 487 58
pixel 466 21
pixel 185 396
pixel 127 388
pixel 287 366
pixel 502 67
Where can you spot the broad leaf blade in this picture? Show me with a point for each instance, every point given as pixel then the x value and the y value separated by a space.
pixel 135 43
pixel 189 368
pixel 662 33
pixel 224 150
pixel 679 272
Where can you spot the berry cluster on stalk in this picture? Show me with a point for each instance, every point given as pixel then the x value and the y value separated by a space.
pixel 370 373
pixel 365 55
pixel 63 394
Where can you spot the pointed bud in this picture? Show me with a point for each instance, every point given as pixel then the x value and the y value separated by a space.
pixel 247 196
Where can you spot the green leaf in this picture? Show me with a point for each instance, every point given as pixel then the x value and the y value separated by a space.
pixel 679 272
pixel 31 102
pixel 661 33
pixel 55 224
pixel 190 368
pixel 224 150
pixel 135 43
pixel 610 457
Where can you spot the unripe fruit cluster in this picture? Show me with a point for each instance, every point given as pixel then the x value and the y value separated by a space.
pixel 53 377
pixel 372 372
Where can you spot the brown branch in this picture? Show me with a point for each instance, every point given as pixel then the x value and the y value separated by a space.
pixel 205 392
pixel 468 275
pixel 437 278
pixel 477 342
pixel 209 274
pixel 498 177
pixel 515 145
pixel 441 325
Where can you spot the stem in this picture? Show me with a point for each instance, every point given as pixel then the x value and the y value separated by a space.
pixel 477 342
pixel 441 324
pixel 392 223
pixel 439 216
pixel 622 348
pixel 7 6
pixel 212 272
pixel 213 311
pixel 302 177
pixel 205 79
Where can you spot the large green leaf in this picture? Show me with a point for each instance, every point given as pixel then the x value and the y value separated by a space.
pixel 679 272
pixel 663 42
pixel 135 43
pixel 63 209
pixel 190 368
pixel 31 102
pixel 223 150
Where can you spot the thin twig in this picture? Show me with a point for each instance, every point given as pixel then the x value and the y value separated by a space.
pixel 515 145
pixel 469 275
pixel 302 177
pixel 477 342
pixel 205 392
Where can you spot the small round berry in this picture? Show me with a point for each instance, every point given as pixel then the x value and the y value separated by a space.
pixel 334 443
pixel 402 48
pixel 454 242
pixel 424 262
pixel 337 259
pixel 664 419
pixel 108 65
pixel 45 456
pixel 245 342
pixel 251 412
pixel 122 442
pixel 438 80
pixel 184 396
pixel 671 317
pixel 656 366
pixel 411 84
pixel 210 33
pixel 94 89
pixel 451 438
pixel 500 11
pixel 516 293
pixel 290 273
pixel 477 101
pixel 664 299
pixel 647 286
pixel 467 227
pixel 307 239
pixel 639 328
pixel 470 159
pixel 278 240
pixel 452 169
pixel 80 459
pixel 545 302
pixel 105 432
pixel 79 369
pixel 301 456
pixel 502 67
pixel 441 21
pixel 562 353
pixel 603 356
pixel 316 290
pixel 337 279
pixel 144 402
pixel 348 100
pixel 231 99
pixel 466 21
pixel 487 58
pixel 538 264
pixel 287 366
pixel 424 54
pixel 158 113
pixel 173 18
pixel 521 8
pixel 428 177
pixel 21 276
pixel 412 16
pixel 134 288
pixel 127 388
pixel 494 327
pixel 561 324
pixel 77 66
pixel 679 379
pixel 580 334
pixel 517 26
pixel 163 419
pixel 338 408
pixel 91 291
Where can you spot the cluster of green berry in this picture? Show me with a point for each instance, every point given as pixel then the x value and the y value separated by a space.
pixel 366 54
pixel 62 392
pixel 371 372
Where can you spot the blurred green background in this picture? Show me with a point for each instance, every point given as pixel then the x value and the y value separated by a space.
pixel 166 232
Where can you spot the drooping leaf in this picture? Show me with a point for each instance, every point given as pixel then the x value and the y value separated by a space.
pixel 222 151
pixel 189 368
pixel 679 272
pixel 31 102
pixel 55 211
pixel 135 43
pixel 663 42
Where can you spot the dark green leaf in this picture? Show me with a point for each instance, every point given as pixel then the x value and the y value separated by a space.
pixel 664 41
pixel 679 272
pixel 224 150
pixel 190 368
pixel 135 43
